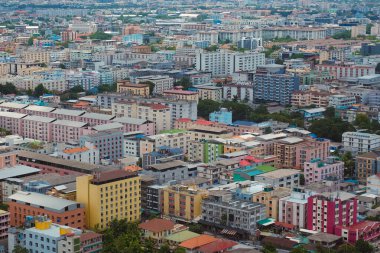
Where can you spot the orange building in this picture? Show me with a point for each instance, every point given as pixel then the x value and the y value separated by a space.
pixel 8 157
pixel 60 211
pixel 124 86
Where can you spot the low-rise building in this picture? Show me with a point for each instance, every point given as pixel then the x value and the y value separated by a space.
pixel 280 178
pixel 220 211
pixel 317 170
pixel 61 211
pixel 182 202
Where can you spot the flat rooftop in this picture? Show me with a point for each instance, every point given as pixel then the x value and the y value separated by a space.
pixel 17 171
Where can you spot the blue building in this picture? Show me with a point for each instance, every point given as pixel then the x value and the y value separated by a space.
pixel 163 154
pixel 314 113
pixel 133 39
pixel 222 116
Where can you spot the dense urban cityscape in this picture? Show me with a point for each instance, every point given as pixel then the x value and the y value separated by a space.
pixel 238 126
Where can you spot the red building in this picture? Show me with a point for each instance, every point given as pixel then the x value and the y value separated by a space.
pixel 329 210
pixel 366 230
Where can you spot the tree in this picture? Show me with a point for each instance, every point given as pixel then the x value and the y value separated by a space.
pixel 19 249
pixel 330 128
pixel 302 179
pixel 151 86
pixel 207 106
pixel 62 66
pixel 346 248
pixel 77 88
pixel 362 121
pixel 185 82
pixel 330 112
pixel 349 164
pixel 267 130
pixel 164 248
pixel 299 249
pixel 179 250
pixel 40 90
pixel 377 70
pixel 8 88
pixel 342 35
pixel 363 246
pixel 99 35
pixel 269 248
pixel 30 41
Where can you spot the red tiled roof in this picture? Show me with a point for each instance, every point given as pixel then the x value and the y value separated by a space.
pixel 197 242
pixel 203 122
pixel 157 225
pixel 219 245
pixel 284 225
pixel 244 163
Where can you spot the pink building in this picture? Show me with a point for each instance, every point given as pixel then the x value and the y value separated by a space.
pixel 311 149
pixel 316 170
pixel 366 230
pixel 342 71
pixel 66 130
pixel 12 121
pixel 38 110
pixel 293 209
pixel 94 119
pixel 65 114
pixel 331 209
pixel 38 128
pixel 133 125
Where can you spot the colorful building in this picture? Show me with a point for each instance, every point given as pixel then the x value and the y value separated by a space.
pixel 316 170
pixel 109 195
pixel 328 210
pixel 222 116
pixel 270 198
pixel 4 224
pixel 182 202
pixel 366 230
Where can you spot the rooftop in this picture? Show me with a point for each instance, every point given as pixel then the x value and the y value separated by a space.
pixel 324 237
pixel 104 127
pixel 157 225
pixel 38 108
pixel 168 165
pixel 39 119
pixel 14 115
pixel 197 242
pixel 97 116
pixel 70 123
pixel 181 236
pixel 280 173
pixel 17 171
pixel 69 112
pixel 111 176
pixel 43 200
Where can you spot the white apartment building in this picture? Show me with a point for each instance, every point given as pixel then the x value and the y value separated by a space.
pixel 86 154
pixel 358 142
pixel 341 100
pixel 161 82
pixel 225 62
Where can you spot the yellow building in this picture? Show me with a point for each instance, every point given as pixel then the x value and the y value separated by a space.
pixel 270 198
pixel 109 195
pixel 182 202
pixel 139 89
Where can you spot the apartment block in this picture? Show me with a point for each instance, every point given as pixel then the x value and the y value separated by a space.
pixel 67 131
pixel 346 71
pixel 358 142
pixel 220 211
pixel 38 128
pixel 308 98
pixel 293 208
pixel 172 138
pixel 225 62
pixel 182 202
pixel 327 210
pixel 270 197
pixel 109 195
pixel 4 224
pixel 367 165
pixel 161 83
pixel 316 170
pixel 12 121
pixel 280 178
pixel 110 143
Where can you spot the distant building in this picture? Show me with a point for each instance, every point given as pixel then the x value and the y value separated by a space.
pixel 358 142
pixel 222 116
pixel 317 170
